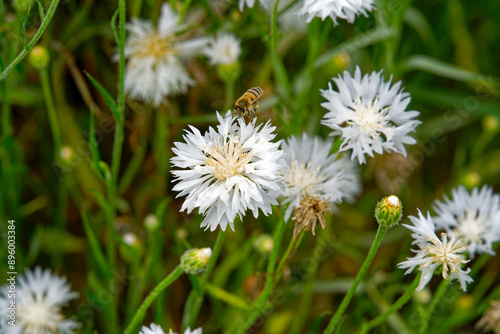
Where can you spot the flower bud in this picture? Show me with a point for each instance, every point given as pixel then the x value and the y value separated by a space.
pixel 263 244
pixel 491 123
pixel 39 57
pixel 341 60
pixel 471 180
pixel 194 260
pixel 21 6
pixel 130 239
pixel 151 222
pixel 389 211
pixel 229 73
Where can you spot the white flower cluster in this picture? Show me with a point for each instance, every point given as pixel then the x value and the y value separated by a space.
pixel 472 225
pixel 227 171
pixel 335 9
pixel 155 57
pixel 40 296
pixel 369 115
pixel 310 170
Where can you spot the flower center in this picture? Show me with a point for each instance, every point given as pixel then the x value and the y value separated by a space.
pixel 154 46
pixel 38 316
pixel 369 116
pixel 473 227
pixel 228 160
pixel 447 252
pixel 306 179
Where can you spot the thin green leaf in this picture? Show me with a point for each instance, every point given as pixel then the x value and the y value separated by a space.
pixel 113 26
pixel 161 211
pixel 442 69
pixel 93 143
pixel 95 249
pixel 23 33
pixel 40 10
pixel 318 321
pixel 360 41
pixel 107 97
pixel 415 19
pixel 2 63
pixel 102 203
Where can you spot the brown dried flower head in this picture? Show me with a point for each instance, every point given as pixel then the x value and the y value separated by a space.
pixel 490 321
pixel 310 210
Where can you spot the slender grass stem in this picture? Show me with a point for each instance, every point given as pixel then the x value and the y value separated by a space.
pixel 334 322
pixel 51 111
pixel 141 312
pixel 45 22
pixel 393 308
pixel 260 303
pixel 436 299
pixel 292 246
pixel 281 76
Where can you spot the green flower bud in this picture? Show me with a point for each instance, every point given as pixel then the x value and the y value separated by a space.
pixel 194 260
pixel 39 57
pixel 471 180
pixel 229 73
pixel 389 211
pixel 491 123
pixel 151 222
pixel 264 244
pixel 21 6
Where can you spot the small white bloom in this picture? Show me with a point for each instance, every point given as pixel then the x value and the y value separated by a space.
pixel 369 114
pixel 476 216
pixel 310 170
pixel 155 69
pixel 228 170
pixel 223 49
pixel 344 9
pixel 40 295
pixel 432 252
pixel 156 329
pixel 153 329
pixel 251 3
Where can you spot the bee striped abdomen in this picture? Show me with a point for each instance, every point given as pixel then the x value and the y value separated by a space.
pixel 247 104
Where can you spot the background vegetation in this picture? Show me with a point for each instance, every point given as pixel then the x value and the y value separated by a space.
pixel 445 52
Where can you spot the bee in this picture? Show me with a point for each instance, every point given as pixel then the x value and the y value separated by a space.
pixel 247 104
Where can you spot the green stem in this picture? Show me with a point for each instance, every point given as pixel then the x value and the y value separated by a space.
pixel 334 322
pixel 394 307
pixel 441 290
pixel 51 111
pixel 292 246
pixel 229 85
pixel 308 292
pixel 141 312
pixel 32 42
pixel 195 297
pixel 276 61
pixel 260 303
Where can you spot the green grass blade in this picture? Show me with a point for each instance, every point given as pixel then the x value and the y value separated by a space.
pixel 107 97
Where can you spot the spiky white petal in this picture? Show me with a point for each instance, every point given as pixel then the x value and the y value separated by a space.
pixel 344 9
pixel 476 215
pixel 39 298
pixel 369 115
pixel 433 253
pixel 152 329
pixel 223 49
pixel 311 170
pixel 155 67
pixel 251 3
pixel 227 171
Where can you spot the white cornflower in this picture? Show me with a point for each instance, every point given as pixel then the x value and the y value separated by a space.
pixel 40 295
pixel 223 49
pixel 155 69
pixel 476 216
pixel 228 170
pixel 152 329
pixel 369 114
pixel 446 253
pixel 311 171
pixel 344 9
pixel 156 329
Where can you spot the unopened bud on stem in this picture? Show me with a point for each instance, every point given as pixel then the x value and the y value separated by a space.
pixel 389 211
pixel 194 261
